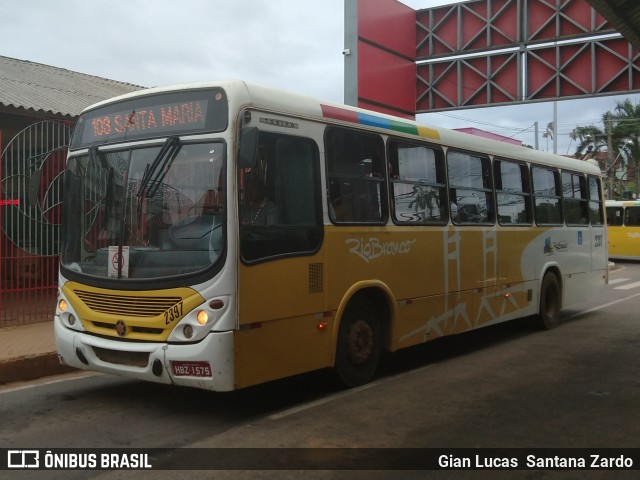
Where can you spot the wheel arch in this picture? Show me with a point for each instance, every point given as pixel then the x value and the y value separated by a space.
pixel 375 292
pixel 550 299
pixel 554 269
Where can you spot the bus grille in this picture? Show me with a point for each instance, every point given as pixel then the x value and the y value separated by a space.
pixel 132 328
pixel 129 305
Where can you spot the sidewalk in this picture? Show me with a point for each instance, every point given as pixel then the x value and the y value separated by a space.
pixel 28 352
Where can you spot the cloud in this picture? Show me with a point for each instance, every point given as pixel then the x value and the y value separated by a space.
pixel 289 44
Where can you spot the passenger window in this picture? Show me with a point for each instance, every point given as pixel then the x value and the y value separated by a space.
pixel 595 201
pixel 546 191
pixel 513 193
pixel 632 216
pixel 355 164
pixel 470 188
pixel 614 216
pixel 279 201
pixel 418 187
pixel 575 199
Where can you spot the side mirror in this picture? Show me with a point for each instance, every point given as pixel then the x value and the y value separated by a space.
pixel 248 147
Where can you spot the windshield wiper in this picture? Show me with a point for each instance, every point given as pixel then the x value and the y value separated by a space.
pixel 159 167
pixel 107 200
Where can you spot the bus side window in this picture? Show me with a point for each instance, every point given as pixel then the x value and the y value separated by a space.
pixel 282 217
pixel 632 216
pixel 295 182
pixel 547 195
pixel 513 193
pixel 596 207
pixel 615 216
pixel 470 179
pixel 575 199
pixel 418 185
pixel 355 169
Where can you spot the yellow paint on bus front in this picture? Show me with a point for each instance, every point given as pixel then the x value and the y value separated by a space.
pixel 148 315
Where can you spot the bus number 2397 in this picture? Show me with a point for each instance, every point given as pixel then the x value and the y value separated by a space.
pixel 173 313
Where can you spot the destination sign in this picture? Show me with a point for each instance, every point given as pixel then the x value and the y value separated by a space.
pixel 171 116
pixel 153 116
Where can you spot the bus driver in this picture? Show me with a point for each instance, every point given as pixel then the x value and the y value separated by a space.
pixel 259 210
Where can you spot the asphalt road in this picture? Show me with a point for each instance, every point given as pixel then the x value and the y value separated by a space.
pixel 508 386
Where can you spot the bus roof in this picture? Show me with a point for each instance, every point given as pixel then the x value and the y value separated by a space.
pixel 622 203
pixel 266 98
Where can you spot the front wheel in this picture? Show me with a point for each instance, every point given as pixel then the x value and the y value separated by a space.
pixel 359 344
pixel 550 302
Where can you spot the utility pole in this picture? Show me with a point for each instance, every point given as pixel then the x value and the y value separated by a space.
pixel 555 127
pixel 607 126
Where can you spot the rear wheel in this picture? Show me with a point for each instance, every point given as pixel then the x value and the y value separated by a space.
pixel 359 344
pixel 550 302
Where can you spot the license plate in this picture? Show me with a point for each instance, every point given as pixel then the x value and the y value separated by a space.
pixel 191 369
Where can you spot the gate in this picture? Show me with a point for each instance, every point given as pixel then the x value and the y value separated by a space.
pixel 31 167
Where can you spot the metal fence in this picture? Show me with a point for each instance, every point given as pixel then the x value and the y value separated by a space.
pixel 31 167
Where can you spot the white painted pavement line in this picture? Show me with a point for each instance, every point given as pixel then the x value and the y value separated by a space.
pixel 321 401
pixel 346 393
pixel 617 280
pixel 604 305
pixel 76 376
pixel 628 286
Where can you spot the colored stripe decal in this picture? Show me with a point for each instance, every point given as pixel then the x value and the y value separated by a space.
pixel 429 132
pixel 339 114
pixel 378 122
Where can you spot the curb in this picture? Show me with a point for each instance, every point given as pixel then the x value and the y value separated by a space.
pixel 31 367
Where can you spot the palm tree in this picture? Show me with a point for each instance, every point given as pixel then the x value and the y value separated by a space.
pixel 619 139
pixel 589 140
pixel 627 128
pixel 549 133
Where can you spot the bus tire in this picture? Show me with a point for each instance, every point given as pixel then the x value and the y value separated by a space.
pixel 550 302
pixel 359 344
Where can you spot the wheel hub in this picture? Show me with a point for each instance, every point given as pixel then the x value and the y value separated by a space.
pixel 359 342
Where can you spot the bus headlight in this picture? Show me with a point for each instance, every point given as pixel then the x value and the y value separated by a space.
pixel 202 317
pixel 67 315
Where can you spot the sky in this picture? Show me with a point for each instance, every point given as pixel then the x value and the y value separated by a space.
pixel 289 44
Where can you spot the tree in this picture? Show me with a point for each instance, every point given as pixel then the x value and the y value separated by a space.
pixel 627 127
pixel 619 139
pixel 590 139
pixel 549 133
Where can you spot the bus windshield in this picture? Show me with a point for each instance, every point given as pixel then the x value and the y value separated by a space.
pixel 145 213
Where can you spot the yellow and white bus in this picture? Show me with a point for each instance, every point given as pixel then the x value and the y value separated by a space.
pixel 223 235
pixel 623 229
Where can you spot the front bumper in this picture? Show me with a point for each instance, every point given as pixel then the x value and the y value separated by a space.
pixel 150 361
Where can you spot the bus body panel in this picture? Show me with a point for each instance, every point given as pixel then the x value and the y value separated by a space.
pixel 280 348
pixel 624 242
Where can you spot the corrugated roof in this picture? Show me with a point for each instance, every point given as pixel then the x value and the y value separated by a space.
pixel 43 88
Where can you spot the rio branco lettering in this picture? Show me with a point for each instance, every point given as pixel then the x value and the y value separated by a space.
pixel 372 248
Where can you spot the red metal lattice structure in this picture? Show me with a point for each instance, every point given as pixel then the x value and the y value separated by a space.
pixel 31 167
pixel 481 53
